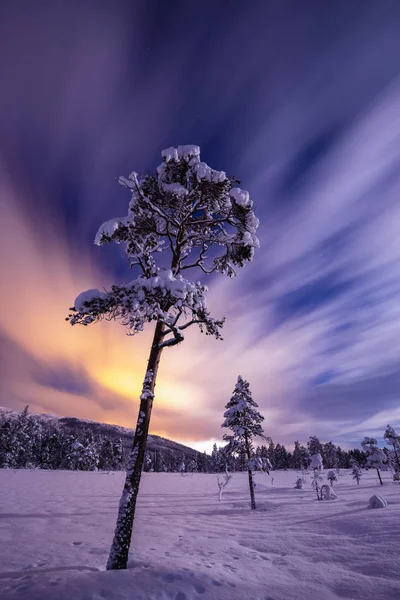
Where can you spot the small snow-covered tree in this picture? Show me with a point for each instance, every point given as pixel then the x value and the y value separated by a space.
pixel 244 420
pixel 316 483
pixel 316 462
pixel 186 216
pixel 331 477
pixel 356 472
pixel 314 445
pixel 375 456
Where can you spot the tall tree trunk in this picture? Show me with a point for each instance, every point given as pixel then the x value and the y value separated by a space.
pixel 251 486
pixel 118 557
pixel 379 475
pixel 251 482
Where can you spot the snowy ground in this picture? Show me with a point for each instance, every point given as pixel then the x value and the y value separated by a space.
pixel 56 529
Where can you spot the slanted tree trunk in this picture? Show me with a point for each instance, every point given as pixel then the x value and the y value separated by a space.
pixel 118 557
pixel 379 475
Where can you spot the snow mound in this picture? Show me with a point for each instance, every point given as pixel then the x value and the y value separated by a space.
pixel 377 501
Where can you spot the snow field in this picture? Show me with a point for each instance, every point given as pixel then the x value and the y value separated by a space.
pixel 56 529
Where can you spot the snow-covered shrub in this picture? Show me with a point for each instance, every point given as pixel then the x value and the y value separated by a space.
pixel 331 477
pixel 327 493
pixel 377 501
pixel 299 484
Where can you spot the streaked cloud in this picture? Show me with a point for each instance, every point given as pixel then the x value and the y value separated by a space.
pixel 302 104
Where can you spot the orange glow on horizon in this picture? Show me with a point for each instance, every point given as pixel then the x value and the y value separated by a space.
pixel 43 278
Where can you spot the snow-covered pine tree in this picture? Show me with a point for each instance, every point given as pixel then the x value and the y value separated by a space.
pixel 314 446
pixel 330 455
pixel 297 462
pixel 393 439
pixel 375 456
pixel 242 418
pixel 186 216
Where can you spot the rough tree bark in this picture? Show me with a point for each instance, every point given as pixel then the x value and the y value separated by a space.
pixel 251 482
pixel 118 558
pixel 251 486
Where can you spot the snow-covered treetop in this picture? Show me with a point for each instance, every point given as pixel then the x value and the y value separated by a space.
pixel 242 418
pixel 187 208
pixel 375 456
pixel 392 437
pixel 368 442
pixel 195 215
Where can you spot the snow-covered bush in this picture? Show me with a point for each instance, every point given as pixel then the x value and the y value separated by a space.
pixel 377 501
pixel 242 418
pixel 327 493
pixel 331 477
pixel 185 216
pixel 299 484
pixel 375 456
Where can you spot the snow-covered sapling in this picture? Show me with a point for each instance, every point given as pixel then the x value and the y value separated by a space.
pixel 375 456
pixel 242 418
pixel 316 482
pixel 331 477
pixel 223 482
pixel 186 216
pixel 356 472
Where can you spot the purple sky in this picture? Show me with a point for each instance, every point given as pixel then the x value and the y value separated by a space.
pixel 301 102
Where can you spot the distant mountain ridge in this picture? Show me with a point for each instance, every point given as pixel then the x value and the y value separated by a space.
pixel 154 442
